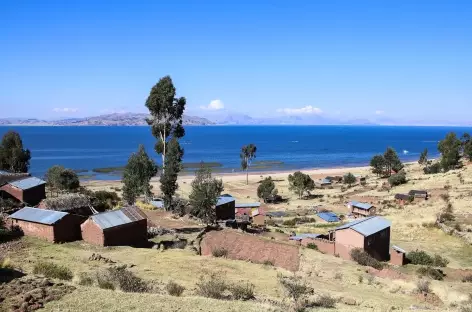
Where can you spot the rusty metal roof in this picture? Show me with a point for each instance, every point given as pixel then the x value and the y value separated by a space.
pixel 114 218
pixel 27 183
pixel 42 216
pixel 247 205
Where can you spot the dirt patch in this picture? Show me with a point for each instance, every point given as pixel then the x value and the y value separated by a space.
pixel 430 298
pixel 388 273
pixel 165 219
pixel 241 246
pixel 30 293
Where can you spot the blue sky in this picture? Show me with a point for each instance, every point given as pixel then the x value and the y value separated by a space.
pixel 347 59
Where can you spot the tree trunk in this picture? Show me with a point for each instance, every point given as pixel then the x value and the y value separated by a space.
pixel 247 177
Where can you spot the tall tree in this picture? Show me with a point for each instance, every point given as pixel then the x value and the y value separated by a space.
pixel 449 148
pixel 13 157
pixel 137 174
pixel 61 179
pixel 378 165
pixel 468 150
pixel 166 114
pixel 204 195
pixel 248 153
pixel 266 188
pixel 349 179
pixel 423 157
pixel 299 183
pixel 173 165
pixel 392 161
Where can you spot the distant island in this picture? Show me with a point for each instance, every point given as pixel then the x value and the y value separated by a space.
pixel 123 119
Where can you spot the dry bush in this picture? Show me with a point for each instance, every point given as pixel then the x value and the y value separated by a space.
pixel 85 279
pixel 295 288
pixel 467 279
pixel 52 270
pixel 242 291
pixel 325 301
pixel 422 286
pixel 312 246
pixel 268 263
pixel 67 202
pixel 119 277
pixel 433 273
pixel 213 286
pixel 219 252
pixel 338 276
pixel 174 289
pixel 370 279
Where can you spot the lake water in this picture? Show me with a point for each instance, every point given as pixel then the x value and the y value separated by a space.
pixel 278 147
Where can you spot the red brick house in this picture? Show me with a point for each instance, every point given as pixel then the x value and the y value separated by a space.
pixel 29 190
pixel 361 209
pixel 397 256
pixel 123 227
pixel 403 199
pixel 54 226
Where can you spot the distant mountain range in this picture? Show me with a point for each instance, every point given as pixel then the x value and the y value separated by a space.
pixel 117 119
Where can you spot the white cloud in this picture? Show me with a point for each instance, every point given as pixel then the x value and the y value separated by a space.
pixel 65 110
pixel 214 105
pixel 379 112
pixel 307 110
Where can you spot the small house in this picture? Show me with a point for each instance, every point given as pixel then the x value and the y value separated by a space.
pixel 54 226
pixel 123 227
pixel 328 216
pixel 323 183
pixel 418 194
pixel 335 179
pixel 371 234
pixel 397 256
pixel 361 209
pixel 258 217
pixel 157 203
pixel 403 199
pixel 225 208
pixel 28 190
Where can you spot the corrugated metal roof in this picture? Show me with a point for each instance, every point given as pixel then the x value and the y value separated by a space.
pixel 114 218
pixel 42 216
pixel 398 249
pixel 25 184
pixel 224 200
pixel 419 192
pixel 157 203
pixel 328 216
pixel 402 196
pixel 359 205
pixel 367 226
pixel 302 236
pixel 247 205
pixel 325 181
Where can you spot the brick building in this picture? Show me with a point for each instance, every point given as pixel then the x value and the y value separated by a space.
pixel 28 190
pixel 54 226
pixel 397 256
pixel 361 209
pixel 123 227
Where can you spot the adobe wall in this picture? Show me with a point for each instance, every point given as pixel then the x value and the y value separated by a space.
pixel 131 234
pixel 397 258
pixel 258 220
pixel 91 233
pixel 346 240
pixel 248 247
pixel 35 229
pixel 13 191
pixel 324 245
pixel 68 228
pixel 34 195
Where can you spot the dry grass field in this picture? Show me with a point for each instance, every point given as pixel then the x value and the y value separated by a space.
pixel 355 288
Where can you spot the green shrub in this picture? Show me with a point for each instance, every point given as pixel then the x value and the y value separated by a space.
pixel 290 223
pixel 312 246
pixel 268 263
pixel 242 291
pixel 127 281
pixel 397 179
pixel 212 286
pixel 295 287
pixel 440 261
pixel 419 257
pixel 301 220
pixel 434 168
pixel 174 289
pixel 433 273
pixel 279 231
pixel 52 270
pixel 363 258
pixel 219 252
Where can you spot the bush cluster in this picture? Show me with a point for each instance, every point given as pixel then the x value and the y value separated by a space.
pixel 422 258
pixel 312 246
pixel 219 253
pixel 363 258
pixel 397 179
pixel 214 286
pixel 120 278
pixel 433 273
pixel 174 289
pixel 52 270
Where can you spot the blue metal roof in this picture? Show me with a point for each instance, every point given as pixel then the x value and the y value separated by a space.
pixel 325 181
pixel 367 226
pixel 157 203
pixel 247 205
pixel 27 183
pixel 42 216
pixel 224 200
pixel 3 172
pixel 359 205
pixel 328 216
